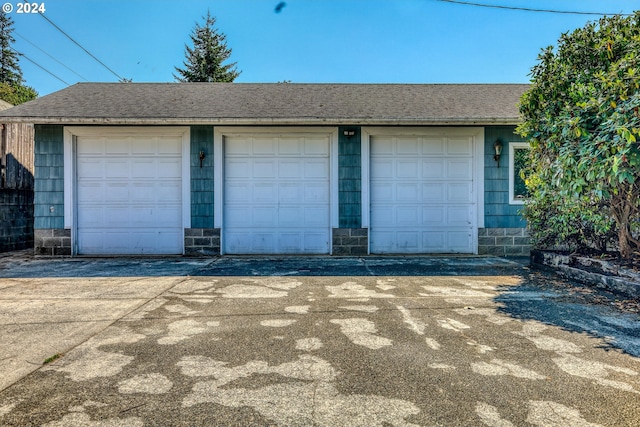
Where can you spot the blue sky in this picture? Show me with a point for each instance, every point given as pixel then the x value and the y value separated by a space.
pixel 309 41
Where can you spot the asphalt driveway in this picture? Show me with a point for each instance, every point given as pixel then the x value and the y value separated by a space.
pixel 310 342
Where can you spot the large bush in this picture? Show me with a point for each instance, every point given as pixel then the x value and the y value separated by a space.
pixel 581 116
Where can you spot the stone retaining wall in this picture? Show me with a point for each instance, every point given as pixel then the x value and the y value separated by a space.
pixel 590 271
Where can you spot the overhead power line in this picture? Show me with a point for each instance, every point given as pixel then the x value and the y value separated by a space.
pixel 38 65
pixel 530 9
pixel 81 47
pixel 50 56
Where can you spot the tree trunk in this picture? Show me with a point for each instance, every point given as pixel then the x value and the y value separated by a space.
pixel 624 241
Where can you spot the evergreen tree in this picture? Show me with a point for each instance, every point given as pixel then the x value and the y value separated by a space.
pixel 12 89
pixel 10 71
pixel 204 61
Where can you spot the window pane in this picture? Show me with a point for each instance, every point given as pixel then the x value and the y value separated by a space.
pixel 520 160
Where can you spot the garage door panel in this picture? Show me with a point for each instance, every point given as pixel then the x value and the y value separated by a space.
pixel 382 168
pixel 460 241
pixel 433 169
pixel 169 145
pixel 262 193
pixel 91 146
pixel 408 192
pixel 433 146
pixel 408 146
pixel 461 192
pixel 116 168
pixel 263 216
pixel 460 169
pixel 91 168
pixel 460 146
pixel 240 192
pixel 428 196
pixel 315 242
pixel 289 192
pixel 92 218
pixel 407 241
pixel 290 216
pixel 382 191
pixel 169 168
pixel 316 168
pixel 434 216
pixel 291 169
pixel 285 194
pixel 315 216
pixel 143 168
pixel 408 215
pixel 316 192
pixel 143 145
pixel 459 216
pixel 434 192
pixel 408 168
pixel 121 146
pixel 316 147
pixel 290 146
pixel 434 241
pixel 169 191
pixel 91 192
pixel 263 146
pixel 382 145
pixel 118 192
pixel 237 168
pixel 385 215
pixel 290 242
pixel 265 169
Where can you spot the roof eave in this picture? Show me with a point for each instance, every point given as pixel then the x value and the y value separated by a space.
pixel 315 121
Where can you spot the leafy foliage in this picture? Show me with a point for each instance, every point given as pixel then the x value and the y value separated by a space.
pixel 204 61
pixel 12 89
pixel 581 117
pixel 17 94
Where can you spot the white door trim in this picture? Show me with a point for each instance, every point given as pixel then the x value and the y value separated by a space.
pixel 71 133
pixel 477 133
pixel 220 132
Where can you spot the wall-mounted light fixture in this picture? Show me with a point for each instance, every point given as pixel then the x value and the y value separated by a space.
pixel 201 157
pixel 349 133
pixel 497 146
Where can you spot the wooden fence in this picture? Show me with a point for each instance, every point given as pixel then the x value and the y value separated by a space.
pixel 17 156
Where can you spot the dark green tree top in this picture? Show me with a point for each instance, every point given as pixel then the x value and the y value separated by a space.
pixel 10 71
pixel 12 89
pixel 205 60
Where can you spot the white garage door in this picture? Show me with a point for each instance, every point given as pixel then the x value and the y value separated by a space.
pixel 276 194
pixel 129 195
pixel 422 194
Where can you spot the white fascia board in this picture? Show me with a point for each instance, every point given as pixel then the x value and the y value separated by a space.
pixel 266 121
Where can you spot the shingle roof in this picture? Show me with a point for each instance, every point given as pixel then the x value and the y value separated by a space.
pixel 273 103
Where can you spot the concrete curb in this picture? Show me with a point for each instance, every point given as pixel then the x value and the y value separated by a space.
pixel 612 278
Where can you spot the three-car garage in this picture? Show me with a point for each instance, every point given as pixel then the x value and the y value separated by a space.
pixel 276 189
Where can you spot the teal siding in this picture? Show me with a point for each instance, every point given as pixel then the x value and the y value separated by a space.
pixel 49 177
pixel 498 213
pixel 201 177
pixel 349 178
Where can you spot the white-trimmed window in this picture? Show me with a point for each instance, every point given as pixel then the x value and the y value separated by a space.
pixel 517 161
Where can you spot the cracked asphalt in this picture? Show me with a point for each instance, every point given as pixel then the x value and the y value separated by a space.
pixel 310 341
